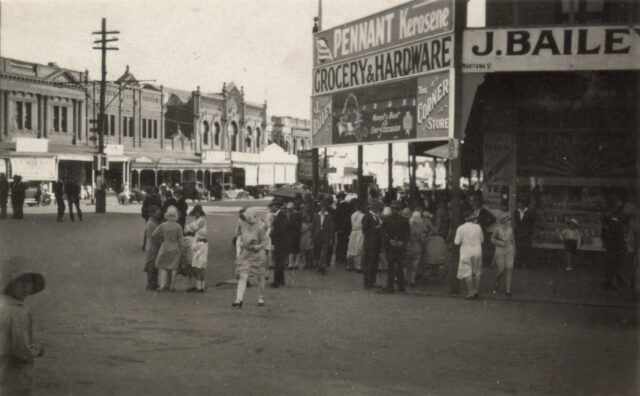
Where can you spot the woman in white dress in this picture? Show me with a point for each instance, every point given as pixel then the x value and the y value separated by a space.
pixel 356 241
pixel 197 229
pixel 469 237
pixel 252 261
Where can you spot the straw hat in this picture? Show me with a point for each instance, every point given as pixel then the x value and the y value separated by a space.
pixel 573 220
pixel 12 270
pixel 171 214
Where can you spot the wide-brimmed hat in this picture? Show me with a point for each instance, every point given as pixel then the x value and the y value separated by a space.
pixel 427 215
pixel 12 270
pixel 572 221
pixel 289 205
pixel 396 205
pixel 374 204
pixel 197 209
pixel 171 213
pixel 277 201
pixel 325 203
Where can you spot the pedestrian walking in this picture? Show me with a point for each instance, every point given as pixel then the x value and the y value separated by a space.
pixel 4 195
pixel 371 229
pixel 306 242
pixel 415 246
pixel 323 230
pixel 17 348
pixel 151 199
pixel 58 192
pixel 612 235
pixel 570 237
pixel 154 219
pixel 504 241
pixel 182 207
pixel 469 237
pixel 356 239
pixel 295 224
pixel 252 261
pixel 395 234
pixel 524 219
pixel 171 240
pixel 485 220
pixel 73 198
pixel 279 242
pixel 199 248
pixel 18 189
pixel 343 227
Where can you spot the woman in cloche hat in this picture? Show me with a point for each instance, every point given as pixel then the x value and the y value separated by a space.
pixel 171 240
pixel 502 238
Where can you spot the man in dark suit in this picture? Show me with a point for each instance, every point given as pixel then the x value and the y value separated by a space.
pixel 280 242
pixel 323 232
pixel 18 190
pixel 73 197
pixel 58 192
pixel 371 229
pixel 523 219
pixel 485 220
pixel 4 195
pixel 396 231
pixel 342 217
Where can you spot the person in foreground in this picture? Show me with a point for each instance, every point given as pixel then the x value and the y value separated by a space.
pixel 252 260
pixel 469 237
pixel 17 349
pixel 502 238
pixel 200 249
pixel 171 240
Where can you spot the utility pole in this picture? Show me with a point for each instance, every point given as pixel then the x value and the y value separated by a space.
pixel 101 194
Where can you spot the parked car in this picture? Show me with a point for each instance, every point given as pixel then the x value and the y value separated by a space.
pixel 31 195
pixel 195 191
pixel 230 191
pixel 257 192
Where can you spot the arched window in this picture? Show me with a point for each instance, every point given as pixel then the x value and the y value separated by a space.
pixel 205 133
pixel 247 141
pixel 258 139
pixel 216 137
pixel 234 136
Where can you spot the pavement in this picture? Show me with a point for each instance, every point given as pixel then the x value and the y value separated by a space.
pixel 559 334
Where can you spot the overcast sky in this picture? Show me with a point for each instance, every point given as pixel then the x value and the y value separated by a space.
pixel 263 45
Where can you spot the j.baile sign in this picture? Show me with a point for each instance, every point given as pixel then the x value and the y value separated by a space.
pixel 370 79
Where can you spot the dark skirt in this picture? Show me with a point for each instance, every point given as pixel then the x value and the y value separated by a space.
pixel 571 245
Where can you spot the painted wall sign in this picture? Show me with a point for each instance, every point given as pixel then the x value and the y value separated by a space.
pixel 570 48
pixel 402 24
pixel 32 145
pixel 433 108
pixel 417 58
pixel 34 168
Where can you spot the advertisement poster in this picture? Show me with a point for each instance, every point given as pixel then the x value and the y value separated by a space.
pixel 305 165
pixel 405 23
pixel 376 114
pixel 321 107
pixel 433 106
pixel 497 163
pixel 34 168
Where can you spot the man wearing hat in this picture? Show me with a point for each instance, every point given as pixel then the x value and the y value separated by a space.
pixel 396 232
pixel 342 217
pixel 279 240
pixel 18 189
pixel 371 229
pixel 323 232
pixel 17 349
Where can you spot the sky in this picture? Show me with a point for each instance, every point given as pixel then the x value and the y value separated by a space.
pixel 262 45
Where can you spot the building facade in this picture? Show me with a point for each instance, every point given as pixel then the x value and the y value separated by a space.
pixel 292 134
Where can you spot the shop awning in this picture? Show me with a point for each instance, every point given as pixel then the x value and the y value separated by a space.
pixel 75 157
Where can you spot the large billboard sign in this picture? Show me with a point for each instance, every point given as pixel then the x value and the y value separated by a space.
pixel 402 24
pixel 387 77
pixel 551 49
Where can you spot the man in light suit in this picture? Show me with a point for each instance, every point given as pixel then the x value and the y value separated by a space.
pixel 280 241
pixel 323 233
pixel 523 218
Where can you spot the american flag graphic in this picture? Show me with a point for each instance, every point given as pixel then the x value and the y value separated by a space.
pixel 323 50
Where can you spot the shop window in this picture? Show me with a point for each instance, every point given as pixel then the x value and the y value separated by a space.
pixel 63 119
pixel 155 129
pixel 124 126
pixel 144 128
pixel 56 118
pixel 112 125
pixel 19 115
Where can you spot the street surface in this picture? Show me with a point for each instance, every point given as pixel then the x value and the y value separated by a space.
pixel 106 335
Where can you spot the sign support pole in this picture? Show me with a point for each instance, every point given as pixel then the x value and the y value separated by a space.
pixel 362 191
pixel 390 159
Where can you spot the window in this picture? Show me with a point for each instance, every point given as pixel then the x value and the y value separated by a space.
pixel 19 115
pixel 217 134
pixel 63 119
pixel 27 115
pixel 56 118
pixel 155 129
pixel 124 126
pixel 258 137
pixel 112 125
pixel 205 133
pixel 144 128
pixel 149 128
pixel 131 127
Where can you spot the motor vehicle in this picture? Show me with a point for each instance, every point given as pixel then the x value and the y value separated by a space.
pixel 195 191
pixel 257 192
pixel 230 191
pixel 31 194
